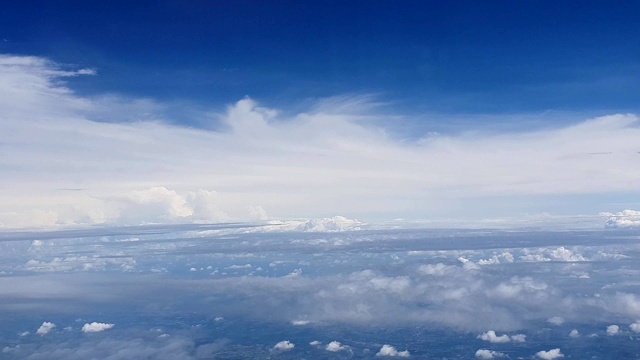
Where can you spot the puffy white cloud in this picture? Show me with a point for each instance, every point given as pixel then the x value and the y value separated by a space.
pixel 635 327
pixel 574 333
pixel 388 350
pixel 336 223
pixel 468 264
pixel 160 204
pixel 488 354
pixel 622 219
pixel 550 355
pixel 96 327
pixel 45 328
pixel 315 343
pixel 284 345
pixel 491 337
pixel 552 254
pixel 613 330
pixel 335 346
pixel 563 254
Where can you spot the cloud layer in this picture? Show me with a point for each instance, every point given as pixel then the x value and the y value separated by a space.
pixel 69 159
pixel 348 294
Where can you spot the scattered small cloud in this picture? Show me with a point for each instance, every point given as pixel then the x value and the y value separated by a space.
pixel 284 345
pixel 574 333
pixel 45 328
pixel 335 346
pixel 635 327
pixel 550 355
pixel 491 337
pixel 613 330
pixel 388 350
pixel 96 327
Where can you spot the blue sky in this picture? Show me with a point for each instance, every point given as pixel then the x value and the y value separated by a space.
pixel 319 179
pixel 209 111
pixel 423 56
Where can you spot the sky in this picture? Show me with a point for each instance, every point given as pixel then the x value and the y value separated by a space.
pixel 209 111
pixel 319 180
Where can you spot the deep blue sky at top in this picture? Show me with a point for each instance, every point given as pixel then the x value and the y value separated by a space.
pixel 426 56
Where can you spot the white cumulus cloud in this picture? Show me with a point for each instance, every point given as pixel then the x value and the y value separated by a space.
pixel 613 330
pixel 622 219
pixel 96 327
pixel 491 337
pixel 284 345
pixel 335 346
pixel 550 355
pixel 45 328
pixel 388 350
